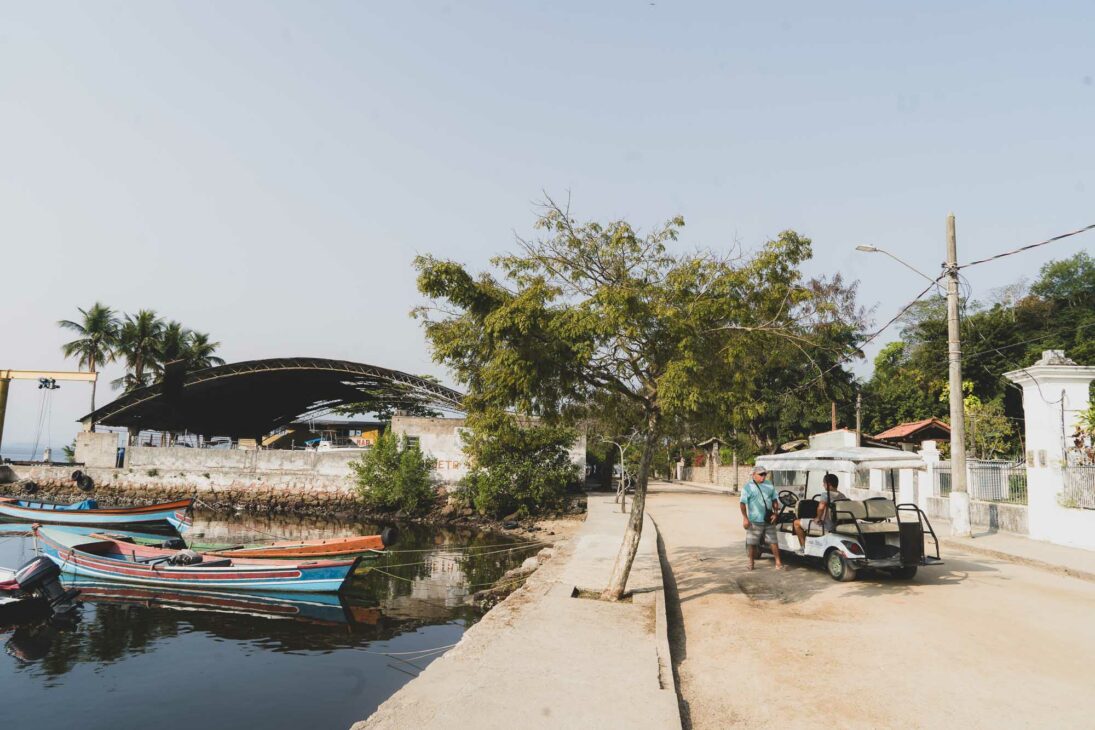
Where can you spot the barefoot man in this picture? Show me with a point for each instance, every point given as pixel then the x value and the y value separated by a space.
pixel 759 506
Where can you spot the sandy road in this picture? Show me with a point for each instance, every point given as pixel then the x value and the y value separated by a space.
pixel 974 643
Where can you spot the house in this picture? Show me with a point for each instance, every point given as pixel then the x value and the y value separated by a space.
pixel 910 436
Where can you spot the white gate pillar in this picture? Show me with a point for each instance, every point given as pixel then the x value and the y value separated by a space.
pixel 1055 391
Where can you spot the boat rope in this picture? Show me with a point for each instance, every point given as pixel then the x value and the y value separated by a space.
pixel 447 558
pixel 418 654
pixel 496 584
pixel 509 545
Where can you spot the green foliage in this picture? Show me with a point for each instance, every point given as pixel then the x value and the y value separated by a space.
pixel 1007 333
pixel 395 475
pixel 516 467
pixel 97 331
pixel 597 321
pixel 385 400
pixel 989 432
pixel 70 451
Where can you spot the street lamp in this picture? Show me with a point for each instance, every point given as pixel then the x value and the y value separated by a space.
pixel 906 264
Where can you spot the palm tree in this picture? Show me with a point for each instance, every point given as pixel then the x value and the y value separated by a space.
pixel 200 352
pixel 98 337
pixel 139 343
pixel 171 345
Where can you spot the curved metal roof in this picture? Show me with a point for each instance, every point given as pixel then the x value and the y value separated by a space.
pixel 252 398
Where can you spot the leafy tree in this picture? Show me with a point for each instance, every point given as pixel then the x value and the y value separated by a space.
pixel 139 345
pixel 592 315
pixel 516 467
pixel 97 331
pixel 395 475
pixel 69 451
pixel 385 400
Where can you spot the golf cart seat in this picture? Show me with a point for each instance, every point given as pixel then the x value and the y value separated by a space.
pixel 849 512
pixel 850 528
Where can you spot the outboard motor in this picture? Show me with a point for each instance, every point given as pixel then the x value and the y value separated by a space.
pixel 174 543
pixel 40 576
pixel 389 536
pixel 185 557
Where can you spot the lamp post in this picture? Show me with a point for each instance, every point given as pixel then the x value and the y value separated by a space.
pixel 959 497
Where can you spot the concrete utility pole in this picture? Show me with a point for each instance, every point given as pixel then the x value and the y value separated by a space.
pixel 959 498
pixel 858 419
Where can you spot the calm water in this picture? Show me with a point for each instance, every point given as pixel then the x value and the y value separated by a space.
pixel 139 658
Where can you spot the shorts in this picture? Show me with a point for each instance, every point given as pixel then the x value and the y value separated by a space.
pixel 756 530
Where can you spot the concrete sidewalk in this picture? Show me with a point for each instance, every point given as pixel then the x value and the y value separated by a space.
pixel 545 659
pixel 1074 562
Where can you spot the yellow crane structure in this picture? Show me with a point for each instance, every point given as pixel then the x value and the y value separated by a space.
pixel 6 376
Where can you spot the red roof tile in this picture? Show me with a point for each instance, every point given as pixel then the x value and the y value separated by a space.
pixel 904 430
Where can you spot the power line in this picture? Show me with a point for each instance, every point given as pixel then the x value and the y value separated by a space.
pixel 1030 246
pixel 867 341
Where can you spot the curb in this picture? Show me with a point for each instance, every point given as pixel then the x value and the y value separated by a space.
pixel 1019 560
pixel 666 676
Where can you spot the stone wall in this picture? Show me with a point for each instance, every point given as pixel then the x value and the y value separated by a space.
pixel 724 475
pixel 305 493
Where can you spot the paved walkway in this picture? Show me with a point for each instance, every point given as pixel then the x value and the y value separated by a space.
pixel 977 642
pixel 1074 562
pixel 545 659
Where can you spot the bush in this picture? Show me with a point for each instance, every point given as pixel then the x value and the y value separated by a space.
pixel 395 475
pixel 516 468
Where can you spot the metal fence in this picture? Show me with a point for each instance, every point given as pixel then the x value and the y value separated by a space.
pixel 1079 479
pixel 989 481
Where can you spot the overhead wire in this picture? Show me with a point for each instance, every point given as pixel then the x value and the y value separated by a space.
pixel 1029 246
pixel 870 338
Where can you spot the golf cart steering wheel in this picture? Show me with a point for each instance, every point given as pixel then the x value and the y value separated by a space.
pixel 788 498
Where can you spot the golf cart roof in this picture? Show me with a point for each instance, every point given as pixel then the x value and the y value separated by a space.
pixel 852 458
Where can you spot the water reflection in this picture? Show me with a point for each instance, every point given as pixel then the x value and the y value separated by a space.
pixel 321 660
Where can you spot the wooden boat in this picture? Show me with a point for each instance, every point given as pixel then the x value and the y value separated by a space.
pixel 294 550
pixel 98 556
pixel 87 512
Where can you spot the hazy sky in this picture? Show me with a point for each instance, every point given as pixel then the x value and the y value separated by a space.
pixel 266 171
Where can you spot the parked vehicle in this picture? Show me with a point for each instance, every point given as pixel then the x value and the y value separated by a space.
pixel 873 533
pixel 101 557
pixel 177 515
pixel 877 532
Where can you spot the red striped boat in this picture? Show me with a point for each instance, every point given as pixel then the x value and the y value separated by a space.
pixel 100 557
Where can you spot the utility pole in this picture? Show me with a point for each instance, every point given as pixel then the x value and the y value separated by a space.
pixel 833 414
pixel 959 498
pixel 858 419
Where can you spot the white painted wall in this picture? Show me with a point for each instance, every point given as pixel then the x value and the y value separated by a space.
pixel 1053 395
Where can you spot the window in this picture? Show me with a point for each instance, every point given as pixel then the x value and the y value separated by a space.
pixel 788 479
pixel 861 479
pixel 412 441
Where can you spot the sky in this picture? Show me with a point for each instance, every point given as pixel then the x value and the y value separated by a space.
pixel 267 171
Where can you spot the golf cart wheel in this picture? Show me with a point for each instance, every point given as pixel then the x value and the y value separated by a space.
pixel 839 567
pixel 905 572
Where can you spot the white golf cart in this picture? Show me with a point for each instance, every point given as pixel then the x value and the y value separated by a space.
pixel 876 532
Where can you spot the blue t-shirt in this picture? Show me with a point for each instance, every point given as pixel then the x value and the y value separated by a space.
pixel 757 499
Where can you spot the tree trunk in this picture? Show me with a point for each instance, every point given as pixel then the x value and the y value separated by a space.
pixel 91 367
pixel 621 569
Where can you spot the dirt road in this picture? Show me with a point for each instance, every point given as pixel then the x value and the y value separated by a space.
pixel 974 643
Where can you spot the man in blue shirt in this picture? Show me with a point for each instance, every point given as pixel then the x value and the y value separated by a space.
pixel 759 507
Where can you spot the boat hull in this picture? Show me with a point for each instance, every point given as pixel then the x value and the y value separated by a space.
pixel 84 561
pixel 176 514
pixel 307 549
